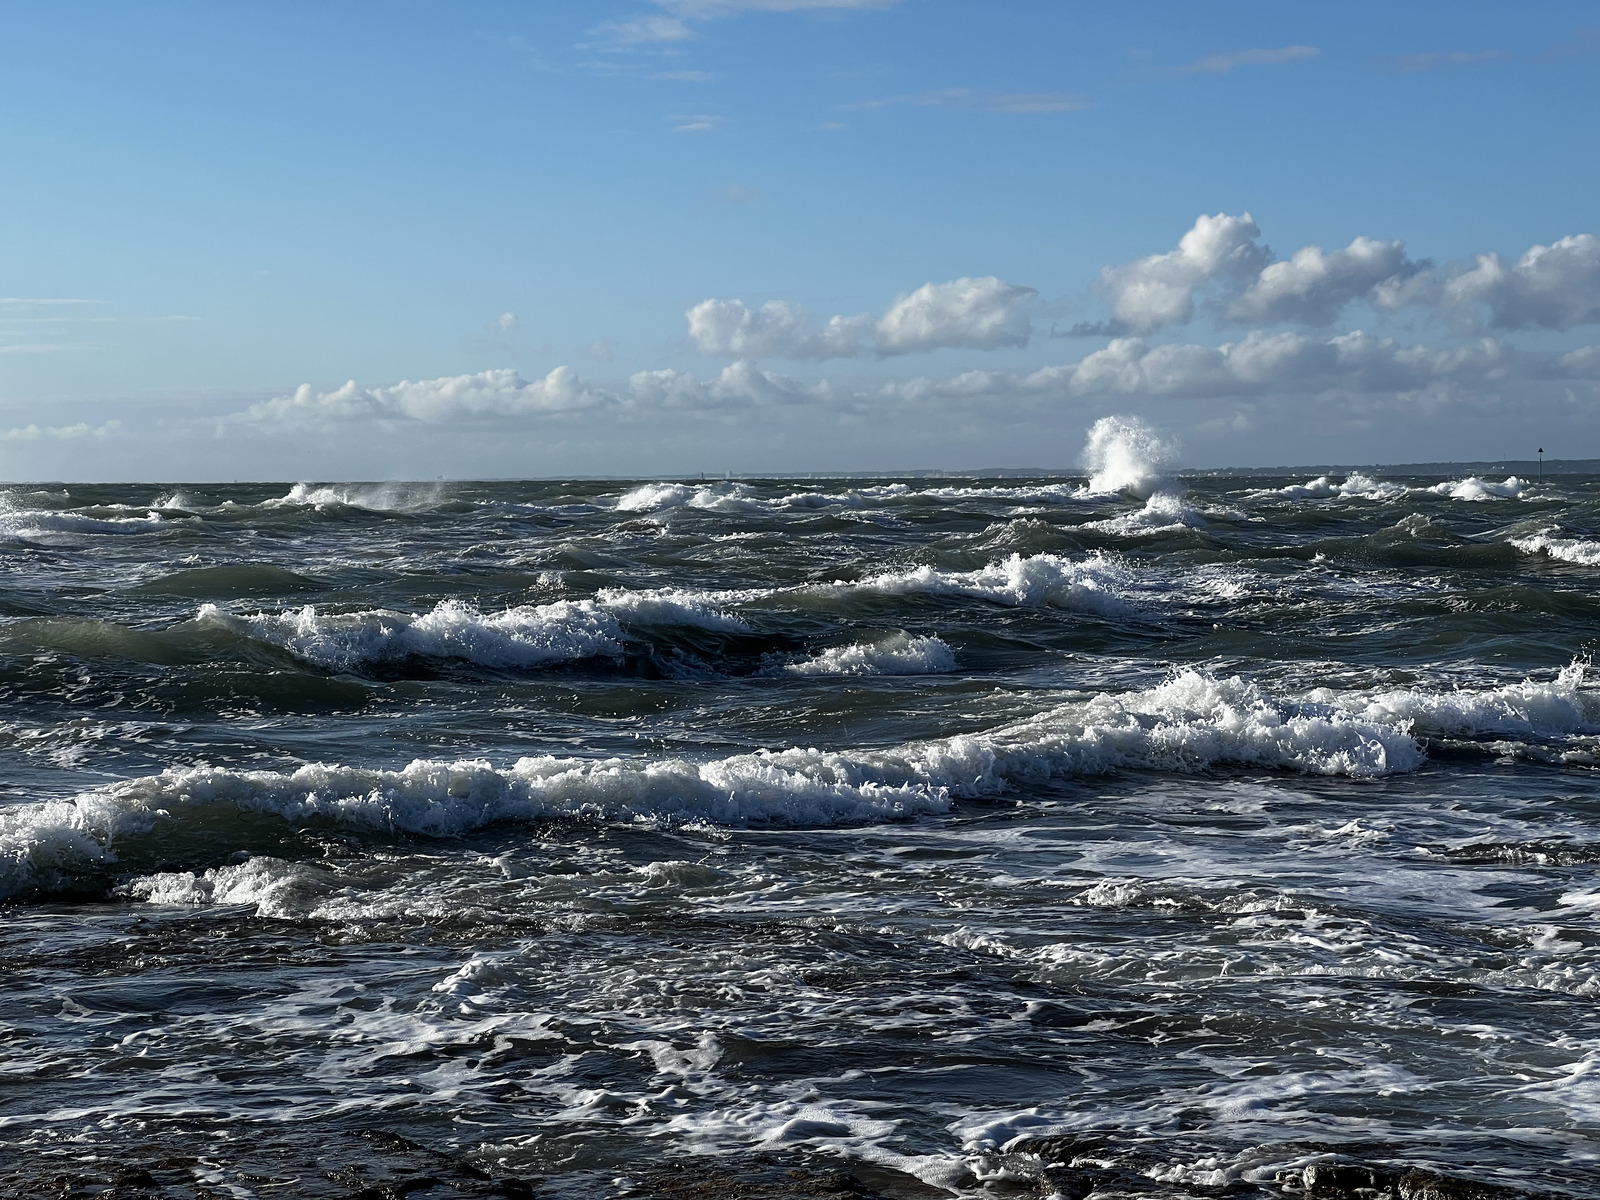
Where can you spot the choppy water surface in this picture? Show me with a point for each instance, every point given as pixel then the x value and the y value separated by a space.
pixel 570 827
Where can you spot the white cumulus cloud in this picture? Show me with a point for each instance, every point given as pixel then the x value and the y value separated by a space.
pixel 976 314
pixel 1150 293
pixel 1549 287
pixel 497 393
pixel 983 313
pixel 1314 287
pixel 740 384
pixel 1273 365
pixel 1222 260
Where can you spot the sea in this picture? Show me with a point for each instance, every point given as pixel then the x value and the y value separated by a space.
pixel 924 835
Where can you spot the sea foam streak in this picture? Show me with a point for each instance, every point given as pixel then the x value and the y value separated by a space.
pixel 1188 723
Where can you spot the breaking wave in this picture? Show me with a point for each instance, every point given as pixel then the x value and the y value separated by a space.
pixel 525 636
pixel 678 606
pixel 1474 488
pixel 1094 584
pixel 1190 722
pixel 1360 487
pixel 1125 454
pixel 1526 709
pixel 374 497
pixel 899 654
pixel 1572 550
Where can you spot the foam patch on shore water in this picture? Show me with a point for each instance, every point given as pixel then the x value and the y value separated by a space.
pixel 1094 584
pixel 900 654
pixel 1572 550
pixel 1477 489
pixel 1188 723
pixel 525 636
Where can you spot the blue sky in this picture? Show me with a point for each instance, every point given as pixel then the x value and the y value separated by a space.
pixel 242 199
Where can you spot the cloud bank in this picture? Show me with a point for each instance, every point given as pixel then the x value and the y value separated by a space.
pixel 1278 347
pixel 1221 268
pixel 975 314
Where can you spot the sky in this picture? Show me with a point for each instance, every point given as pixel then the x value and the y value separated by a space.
pixel 297 240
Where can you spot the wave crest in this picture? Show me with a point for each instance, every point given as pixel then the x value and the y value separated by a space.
pixel 1190 722
pixel 525 636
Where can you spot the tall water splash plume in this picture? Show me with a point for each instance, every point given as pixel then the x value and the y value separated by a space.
pixel 1126 454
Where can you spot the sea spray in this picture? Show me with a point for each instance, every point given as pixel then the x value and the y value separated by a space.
pixel 1126 454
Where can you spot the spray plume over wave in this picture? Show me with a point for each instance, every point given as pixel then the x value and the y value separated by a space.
pixel 1125 454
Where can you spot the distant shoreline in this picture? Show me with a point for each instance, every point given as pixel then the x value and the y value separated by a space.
pixel 1520 467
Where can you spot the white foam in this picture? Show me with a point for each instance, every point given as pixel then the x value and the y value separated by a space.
pixel 1572 550
pixel 1032 493
pixel 34 523
pixel 1361 487
pixel 1125 454
pixel 1093 584
pixel 1475 488
pixel 1163 512
pixel 655 497
pixel 525 636
pixel 375 497
pixel 1526 709
pixel 678 606
pixel 274 887
pixel 899 654
pixel 1190 722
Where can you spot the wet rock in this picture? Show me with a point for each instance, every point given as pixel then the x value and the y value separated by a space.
pixel 359 1165
pixel 1349 1180
pixel 758 1178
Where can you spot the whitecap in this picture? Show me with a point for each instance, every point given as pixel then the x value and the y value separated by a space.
pixel 1190 722
pixel 524 636
pixel 374 497
pixel 1572 550
pixel 678 606
pixel 1094 584
pixel 1478 489
pixel 899 654
pixel 1361 487
pixel 1529 709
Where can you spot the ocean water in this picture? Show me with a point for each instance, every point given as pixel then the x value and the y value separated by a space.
pixel 572 828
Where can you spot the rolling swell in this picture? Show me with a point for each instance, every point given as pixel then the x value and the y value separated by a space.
pixel 1190 723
